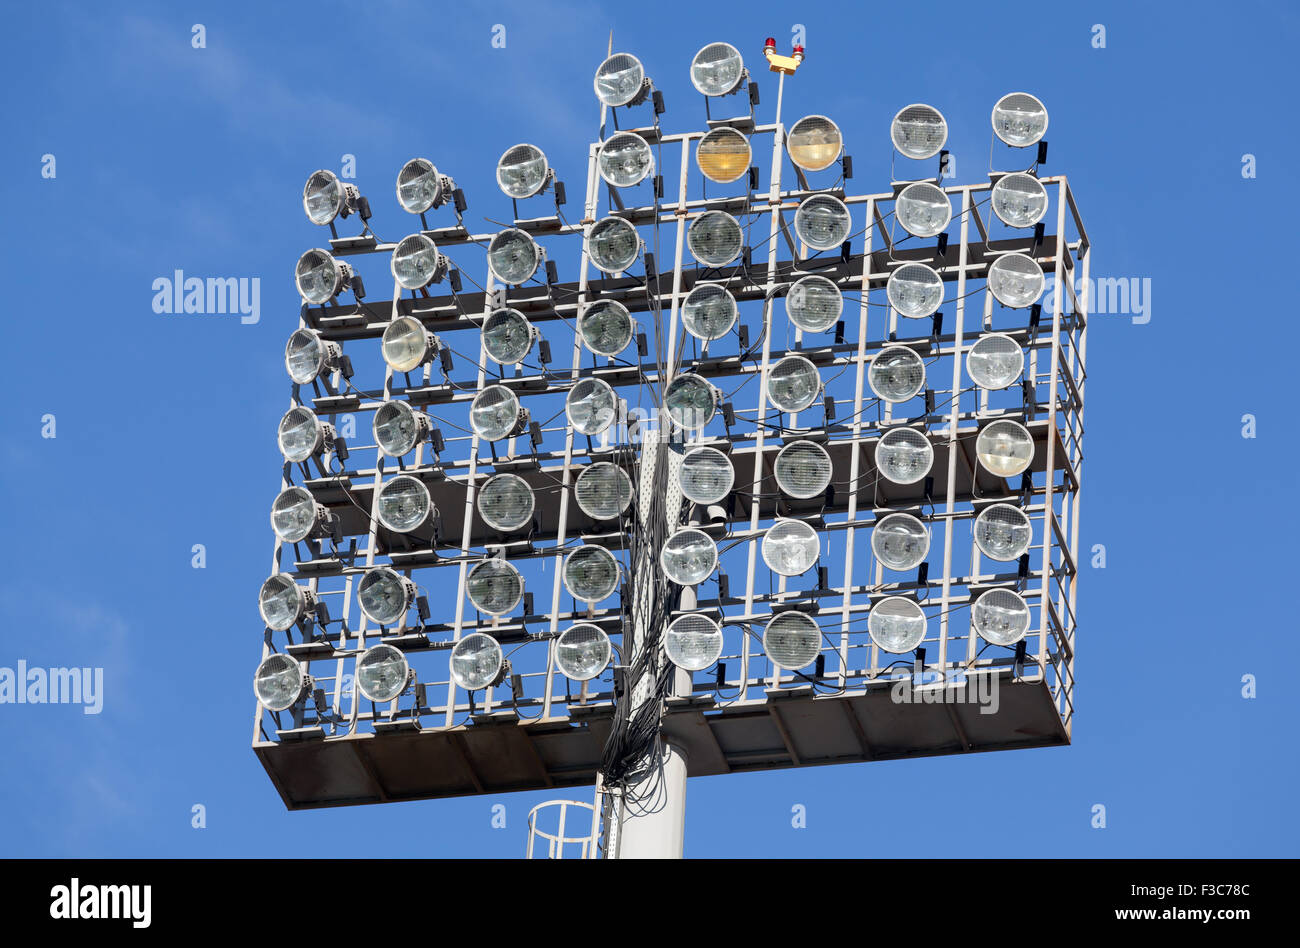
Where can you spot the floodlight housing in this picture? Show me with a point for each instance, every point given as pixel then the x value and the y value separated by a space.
pixel 717 69
pixel 715 238
pixel 591 406
pixel 513 256
pixel 822 222
pixel 495 586
pixel 603 490
pixel 792 640
pixel 900 541
pixel 385 595
pixel 693 642
pixel 319 277
pixel 382 674
pixel 591 573
pixel 407 345
pixel 404 504
pixel 1019 119
pixel 307 356
pixel 709 311
pixel 301 435
pixel 620 80
pixel 420 187
pixel 506 502
pixel 1003 532
pixel 1019 200
pixel 723 155
pixel 508 336
pixel 1005 448
pixel 325 197
pixel 416 262
pixel 802 469
pixel 296 515
pixel 896 624
pixel 476 661
pixel 923 209
pixel 814 142
pixel 280 682
pixel 1000 617
pixel 790 547
pixel 582 652
pixel 689 557
pixel 625 159
pixel 282 602
pixel 613 245
pixel 896 374
pixel 995 361
pixel 915 290
pixel 904 455
pixel 918 131
pixel 1016 280
pixel 398 428
pixel 606 327
pixel 814 303
pixel 793 383
pixel 706 475
pixel 495 414
pixel 522 171
pixel 691 401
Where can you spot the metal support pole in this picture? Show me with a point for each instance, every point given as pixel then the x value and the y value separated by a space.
pixel 654 827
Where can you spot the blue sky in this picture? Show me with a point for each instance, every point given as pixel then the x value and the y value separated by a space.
pixel 170 157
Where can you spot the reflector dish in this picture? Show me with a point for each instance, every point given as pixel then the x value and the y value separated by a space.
pixel 323 197
pixel 397 428
pixel 384 596
pixel 693 642
pixel 896 374
pixel 419 186
pixel 294 513
pixel 606 327
pixel 591 406
pixel 689 557
pixel 513 256
pixel 625 159
pixel 619 79
pixel 582 652
pixel 923 209
pixel 709 311
pixel 896 624
pixel 279 682
pixel 495 413
pixel 407 344
pixel 995 361
pixel 814 304
pixel 318 276
pixel 717 69
pixel 382 673
pixel 603 490
pixel 723 155
pixel 281 602
pixel 706 476
pixel 1019 200
pixel 494 586
pixel 507 336
pixel 522 171
pixel 1019 119
pixel 1003 532
pixel 714 238
pixel 790 547
pixel 613 245
pixel 690 402
pixel 300 434
pixel 505 502
pixel 1004 448
pixel 802 469
pixel 416 262
pixel 900 541
pixel 1000 616
pixel 475 661
pixel 904 455
pixel 814 142
pixel 1016 280
pixel 915 290
pixel 822 222
pixel 792 640
pixel 793 384
pixel 591 573
pixel 918 131
pixel 404 504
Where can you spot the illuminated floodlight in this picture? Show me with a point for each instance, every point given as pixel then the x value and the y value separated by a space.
pixel 923 209
pixel 591 573
pixel 496 413
pixel 513 256
pixel 603 490
pixel 918 131
pixel 282 602
pixel 307 355
pixel 904 455
pixel 619 80
pixel 715 238
pixel 915 290
pixel 689 557
pixel 476 661
pixel 385 595
pixel 792 640
pixel 407 345
pixel 900 541
pixel 582 652
pixel 416 262
pixel 1005 448
pixel 319 277
pixel 693 642
pixel 793 383
pixel 896 624
pixel 1019 200
pixel 1003 532
pixel 717 69
pixel 814 304
pixel 814 142
pixel 295 515
pixel 613 244
pixel 691 401
pixel 706 475
pixel 494 586
pixel 625 159
pixel 1000 617
pixel 505 502
pixel 420 186
pixel 398 428
pixel 522 171
pixel 280 682
pixel 790 547
pixel 591 406
pixel 325 197
pixel 606 327
pixel 995 361
pixel 897 373
pixel 404 504
pixel 822 222
pixel 508 337
pixel 802 469
pixel 1019 119
pixel 383 673
pixel 1016 280
pixel 302 435
pixel 723 155
pixel 709 311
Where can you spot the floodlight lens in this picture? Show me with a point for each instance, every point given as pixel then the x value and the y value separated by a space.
pixel 513 256
pixel 1000 617
pixel 915 290
pixel 923 209
pixel 1019 119
pixel 1019 200
pixel 280 601
pixel 294 514
pixel 582 652
pixel 475 661
pixel 814 304
pixel 494 587
pixel 693 642
pixel 896 624
pixel 304 356
pixel 522 171
pixel 793 384
pixel 606 327
pixel 792 640
pixel 625 159
pixel 419 186
pixel 1005 448
pixel 790 547
pixel 995 361
pixel 613 245
pixel 896 374
pixel 1003 532
pixel 494 413
pixel 690 402
pixel 506 502
pixel 300 434
pixel 591 573
pixel 689 557
pixel 384 596
pixel 709 311
pixel 723 155
pixel 802 469
pixel 396 428
pixel 507 336
pixel 323 197
pixel 317 276
pixel 918 131
pixel 591 406
pixel 814 142
pixel 900 541
pixel 415 262
pixel 279 682
pixel 382 673
pixel 822 222
pixel 904 455
pixel 717 69
pixel 706 475
pixel 404 504
pixel 619 79
pixel 406 344
pixel 1016 280
pixel 603 490
pixel 715 238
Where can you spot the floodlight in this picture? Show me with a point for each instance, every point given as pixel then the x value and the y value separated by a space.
pixel 582 652
pixel 896 624
pixel 404 504
pixel 505 502
pixel 606 327
pixel 384 595
pixel 814 142
pixel 715 238
pixel 282 602
pixel 723 155
pixel 522 171
pixel 793 383
pixel 814 304
pixel 822 222
pixel 1005 448
pixel 1000 617
pixel 619 80
pixel 706 475
pixel 382 674
pixel 1019 119
pixel 302 435
pixel 689 557
pixel 420 186
pixel 691 401
pixel 792 640
pixel 494 586
pixel 591 573
pixel 693 642
pixel 625 159
pixel 398 428
pixel 1019 200
pixel 513 256
pixel 508 337
pixel 407 345
pixel 717 69
pixel 613 245
pixel 280 682
pixel 603 490
pixel 790 547
pixel 915 290
pixel 307 355
pixel 591 406
pixel 1003 532
pixel 802 469
pixel 904 455
pixel 709 311
pixel 995 361
pixel 1016 280
pixel 476 661
pixel 496 413
pixel 320 277
pixel 416 262
pixel 325 197
pixel 900 541
pixel 918 131
pixel 923 209
pixel 896 374
pixel 295 515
